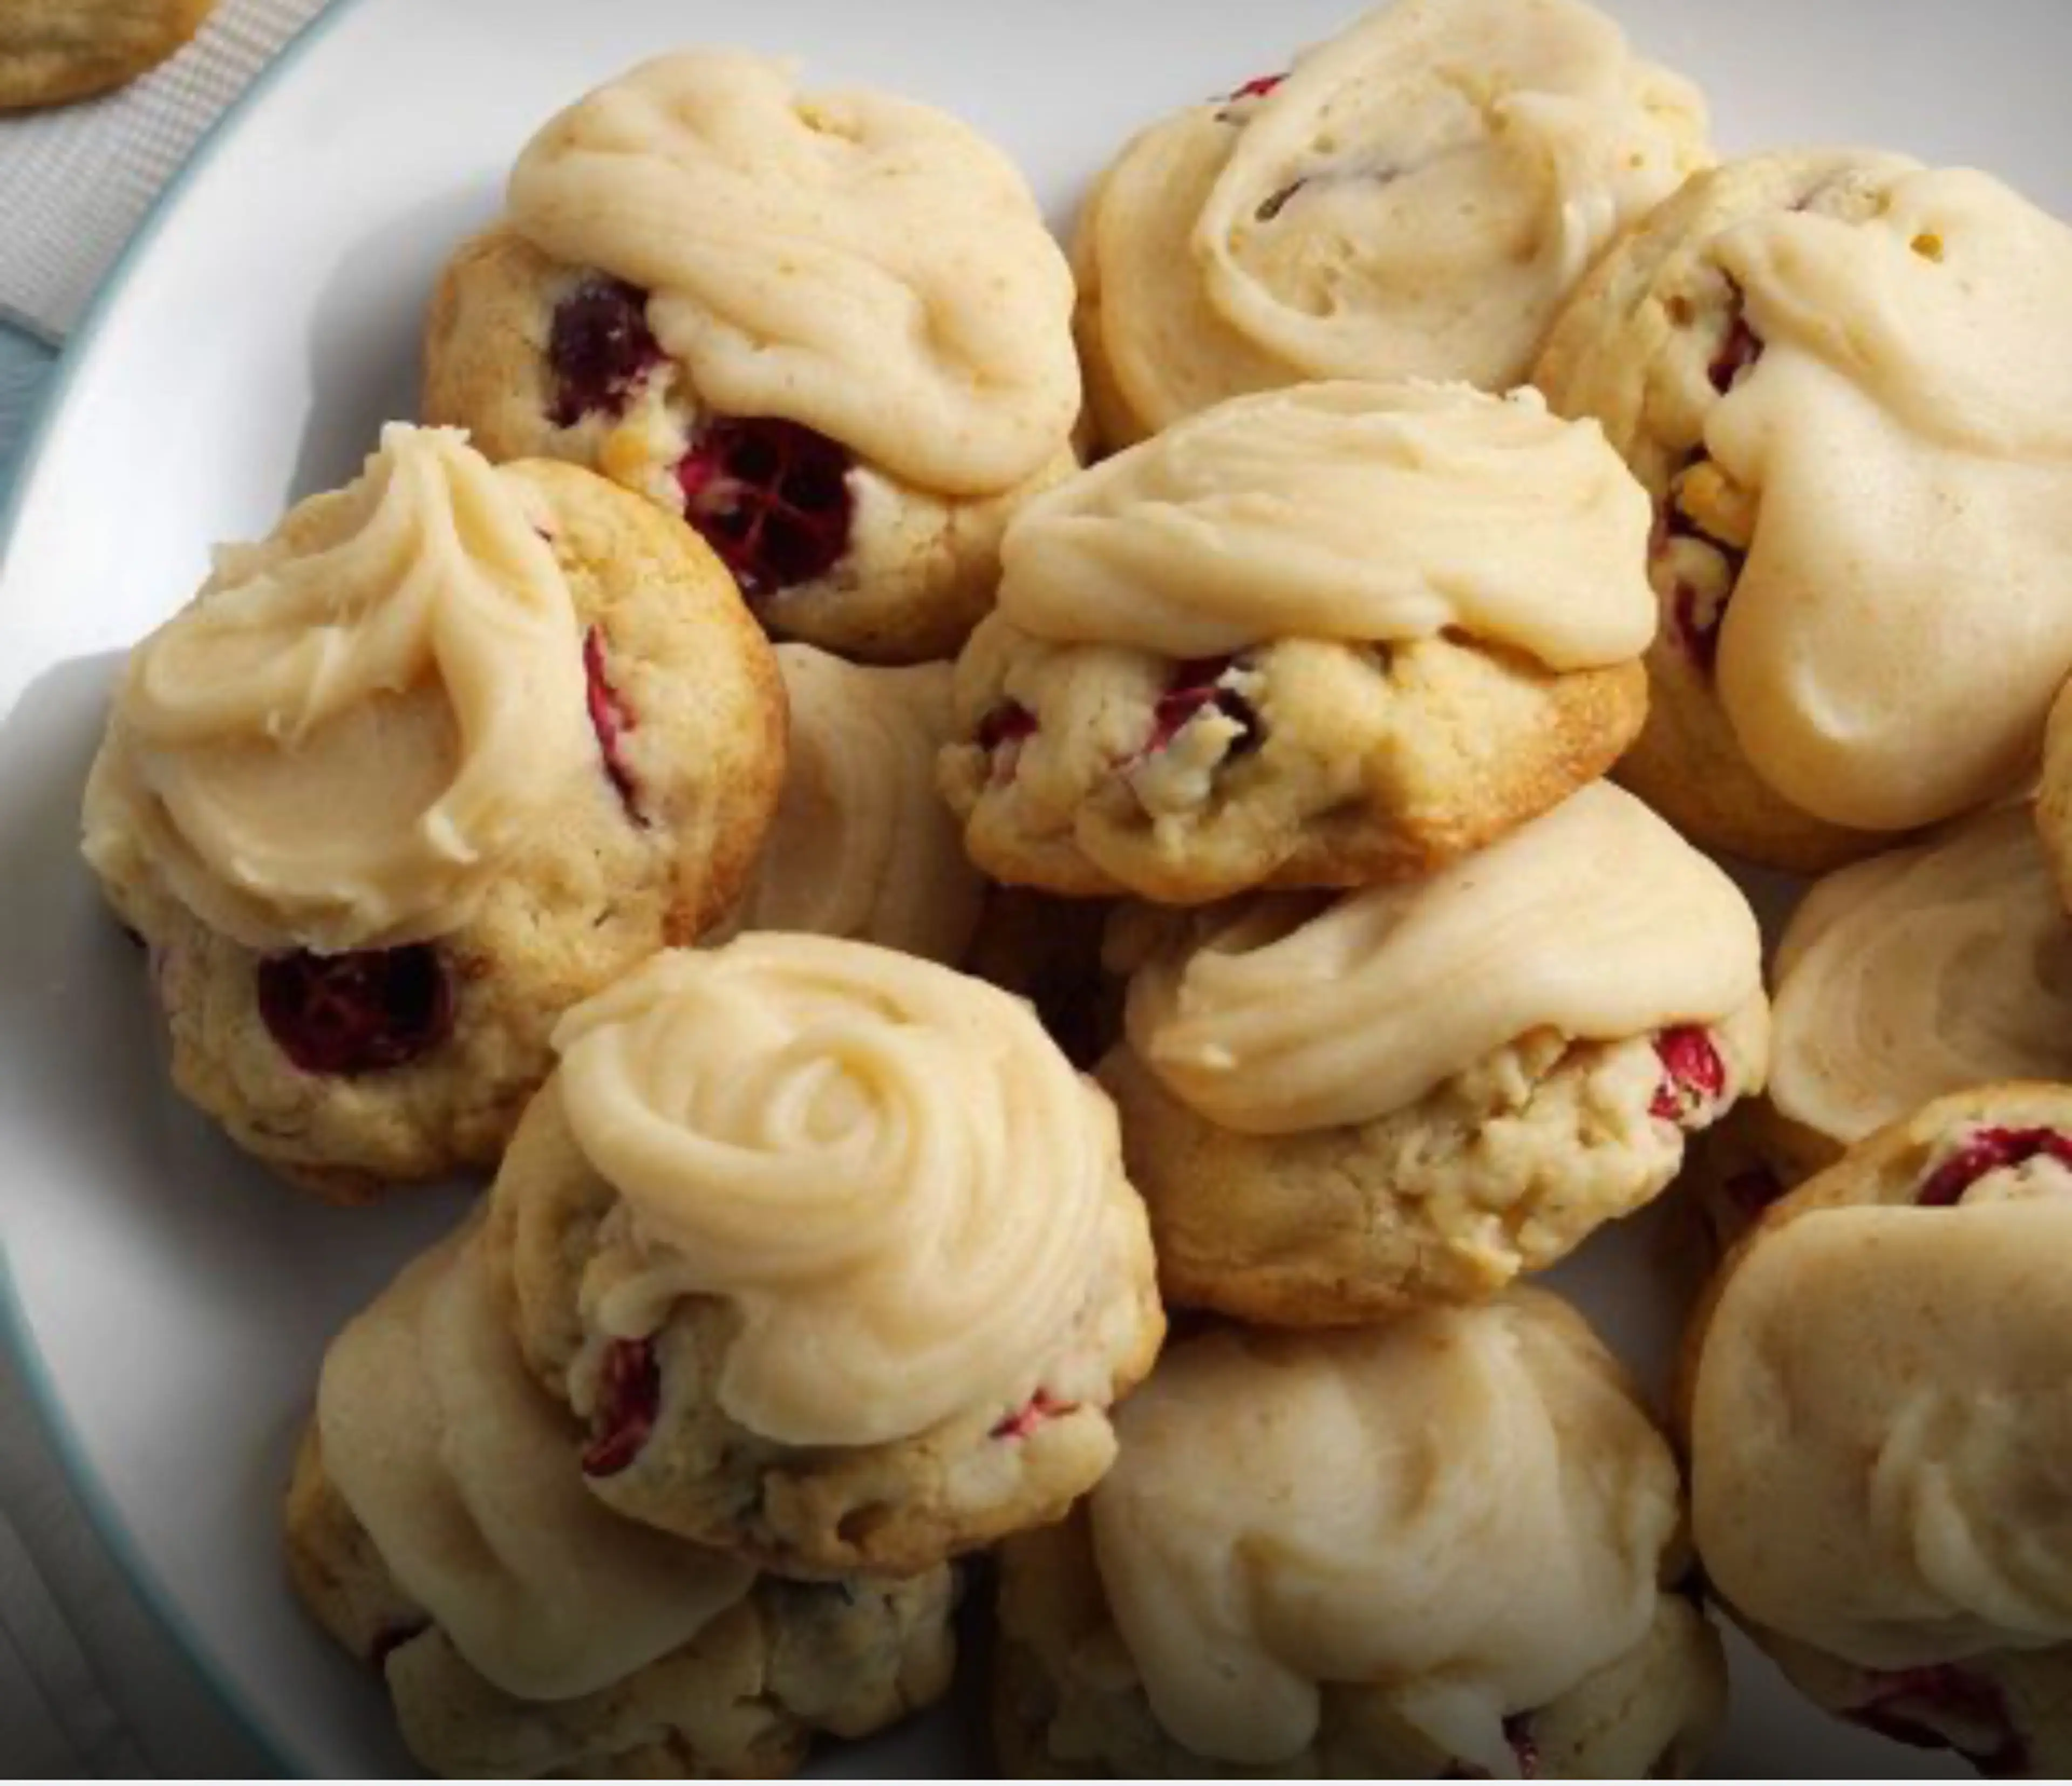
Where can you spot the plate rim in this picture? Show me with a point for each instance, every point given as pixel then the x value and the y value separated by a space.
pixel 17 1338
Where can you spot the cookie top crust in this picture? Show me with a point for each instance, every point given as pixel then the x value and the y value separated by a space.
pixel 888 1168
pixel 341 742
pixel 1364 512
pixel 1289 1014
pixel 1470 1504
pixel 1919 973
pixel 864 266
pixel 1414 199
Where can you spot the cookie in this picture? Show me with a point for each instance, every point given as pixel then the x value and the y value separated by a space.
pixel 862 845
pixel 446 753
pixel 437 1529
pixel 832 1252
pixel 1839 376
pixel 1449 1547
pixel 53 51
pixel 1875 1399
pixel 1310 225
pixel 1339 1110
pixel 829 329
pixel 1313 638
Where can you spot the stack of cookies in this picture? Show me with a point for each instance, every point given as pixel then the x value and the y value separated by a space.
pixel 725 775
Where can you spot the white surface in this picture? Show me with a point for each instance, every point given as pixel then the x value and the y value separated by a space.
pixel 175 1301
pixel 74 180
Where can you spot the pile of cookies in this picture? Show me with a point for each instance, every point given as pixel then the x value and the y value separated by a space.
pixel 918 804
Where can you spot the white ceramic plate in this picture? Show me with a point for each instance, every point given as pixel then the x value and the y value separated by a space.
pixel 169 1301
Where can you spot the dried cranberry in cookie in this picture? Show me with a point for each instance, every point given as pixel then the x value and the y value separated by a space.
pixel 1339 1108
pixel 438 1528
pixel 1879 1416
pixel 1447 1547
pixel 1316 637
pixel 831 1250
pixel 1844 379
pixel 444 754
pixel 706 288
pixel 1308 226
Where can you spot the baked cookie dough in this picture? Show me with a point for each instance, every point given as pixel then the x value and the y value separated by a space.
pixel 1878 1399
pixel 1844 379
pixel 1414 199
pixel 437 1527
pixel 1448 1547
pixel 830 1251
pixel 1317 637
pixel 1339 1110
pixel 53 51
pixel 829 329
pixel 446 753
pixel 862 845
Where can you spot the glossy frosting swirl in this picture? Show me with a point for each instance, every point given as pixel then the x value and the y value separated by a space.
pixel 887 1167
pixel 864 264
pixel 463 1472
pixel 1922 972
pixel 1283 1013
pixel 1360 513
pixel 862 845
pixel 1414 199
pixel 1470 1505
pixel 341 740
pixel 1904 619
pixel 1880 1423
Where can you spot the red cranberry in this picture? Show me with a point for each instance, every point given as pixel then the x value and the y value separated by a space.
pixel 356 1013
pixel 599 349
pixel 1694 1076
pixel 610 719
pixel 1699 632
pixel 1903 1702
pixel 771 498
pixel 1042 1406
pixel 1196 686
pixel 1990 1150
pixel 1739 351
pixel 1258 86
pixel 629 1395
pixel 1001 733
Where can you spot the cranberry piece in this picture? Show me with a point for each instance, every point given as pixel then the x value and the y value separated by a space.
pixel 1903 1700
pixel 1699 632
pixel 628 1397
pixel 1195 687
pixel 771 497
pixel 1001 733
pixel 1517 1733
pixel 1693 1073
pixel 1042 1406
pixel 1258 86
pixel 610 719
pixel 599 349
pixel 1741 350
pixel 360 1012
pixel 1990 1150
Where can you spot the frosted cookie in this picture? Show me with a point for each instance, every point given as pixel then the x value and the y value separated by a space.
pixel 1844 379
pixel 1414 199
pixel 1448 1547
pixel 1337 1109
pixel 53 51
pixel 1878 1397
pixel 1314 638
pixel 438 1528
pixel 444 754
pixel 862 845
pixel 829 329
pixel 831 1251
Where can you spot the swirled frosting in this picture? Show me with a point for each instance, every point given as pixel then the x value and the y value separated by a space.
pixel 1286 1013
pixel 1469 1505
pixel 1921 971
pixel 341 741
pixel 463 1472
pixel 1362 512
pixel 1414 199
pixel 887 1167
pixel 1881 1419
pixel 863 846
pixel 861 264
pixel 1904 619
